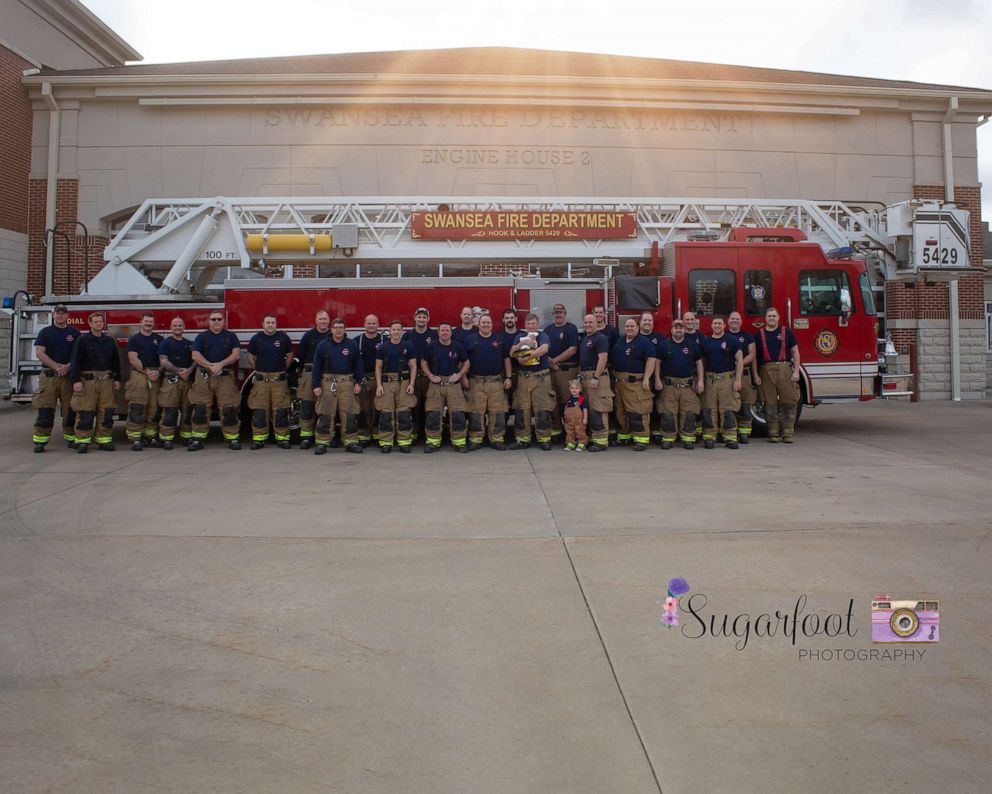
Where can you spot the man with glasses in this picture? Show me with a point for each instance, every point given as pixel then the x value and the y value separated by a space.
pixel 216 352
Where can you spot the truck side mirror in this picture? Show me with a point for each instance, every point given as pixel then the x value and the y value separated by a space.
pixel 846 306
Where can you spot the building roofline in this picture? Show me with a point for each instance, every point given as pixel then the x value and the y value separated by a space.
pixel 86 29
pixel 545 65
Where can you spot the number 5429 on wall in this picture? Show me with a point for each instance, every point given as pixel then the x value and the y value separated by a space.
pixel 941 256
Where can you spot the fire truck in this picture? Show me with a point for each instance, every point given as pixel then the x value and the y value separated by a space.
pixel 820 263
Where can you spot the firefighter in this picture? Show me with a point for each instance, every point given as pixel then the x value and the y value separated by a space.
pixel 724 365
pixel 489 379
pixel 535 395
pixel 95 372
pixel 632 362
pixel 594 352
pixel 337 378
pixel 421 335
pixel 655 338
pixel 53 348
pixel 304 383
pixel 269 353
pixel 507 334
pixel 216 352
pixel 563 360
pixel 679 381
pixel 395 373
pixel 692 332
pixel 368 349
pixel 777 376
pixel 175 354
pixel 445 365
pixel 141 391
pixel 748 395
pixel 463 332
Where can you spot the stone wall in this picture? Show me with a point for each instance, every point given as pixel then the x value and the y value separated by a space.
pixel 935 359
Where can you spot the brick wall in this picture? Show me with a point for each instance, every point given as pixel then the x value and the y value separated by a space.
pixel 69 277
pixel 15 142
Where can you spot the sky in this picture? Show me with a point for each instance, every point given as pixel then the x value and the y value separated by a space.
pixel 933 42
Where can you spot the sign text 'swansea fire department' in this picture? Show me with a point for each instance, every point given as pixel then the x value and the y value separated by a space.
pixel 523 225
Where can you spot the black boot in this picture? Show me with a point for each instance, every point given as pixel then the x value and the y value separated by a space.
pixel 195 445
pixel 256 445
pixel 39 447
pixel 82 447
pixel 306 443
pixel 166 444
pixel 136 445
pixel 356 448
pixel 234 444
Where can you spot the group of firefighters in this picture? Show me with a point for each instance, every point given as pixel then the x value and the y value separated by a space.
pixel 393 386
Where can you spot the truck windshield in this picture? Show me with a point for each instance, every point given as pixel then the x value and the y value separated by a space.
pixel 867 297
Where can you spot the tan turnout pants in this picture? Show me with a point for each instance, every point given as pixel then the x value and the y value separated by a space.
pixel 173 400
pixel 781 396
pixel 534 399
pixel 600 401
pixel 141 394
pixel 678 407
pixel 206 390
pixel 720 406
pixel 97 404
pixel 268 401
pixel 633 403
pixel 440 396
pixel 395 409
pixel 337 400
pixel 487 406
pixel 53 390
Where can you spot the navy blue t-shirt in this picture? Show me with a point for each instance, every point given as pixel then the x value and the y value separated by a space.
pixel 589 350
pixel 368 350
pixel 57 342
pixel 270 351
pixel 337 358
pixel 697 337
pixel 444 360
pixel 773 352
pixel 215 347
pixel 395 357
pixel 506 337
pixel 420 340
pixel 179 352
pixel 309 342
pixel 678 359
pixel 631 356
pixel 147 349
pixel 719 355
pixel 542 363
pixel 655 339
pixel 744 340
pixel 462 335
pixel 486 355
pixel 612 335
pixel 562 337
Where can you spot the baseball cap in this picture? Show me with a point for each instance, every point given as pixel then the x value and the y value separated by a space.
pixel 60 307
pixel 558 306
pixel 422 310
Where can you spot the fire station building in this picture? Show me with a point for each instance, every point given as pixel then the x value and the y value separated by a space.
pixel 86 137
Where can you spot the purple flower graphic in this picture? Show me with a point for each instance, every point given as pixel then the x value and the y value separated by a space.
pixel 677 586
pixel 670 619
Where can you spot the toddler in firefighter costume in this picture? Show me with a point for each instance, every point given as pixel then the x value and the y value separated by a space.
pixel 395 374
pixel 269 353
pixel 95 372
pixel 141 391
pixel 53 347
pixel 777 357
pixel 575 415
pixel 216 352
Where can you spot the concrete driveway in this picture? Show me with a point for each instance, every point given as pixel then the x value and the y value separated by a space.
pixel 270 621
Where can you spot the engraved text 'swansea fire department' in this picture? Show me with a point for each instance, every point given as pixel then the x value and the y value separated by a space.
pixel 523 225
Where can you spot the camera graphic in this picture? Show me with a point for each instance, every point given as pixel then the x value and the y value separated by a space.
pixel 904 621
